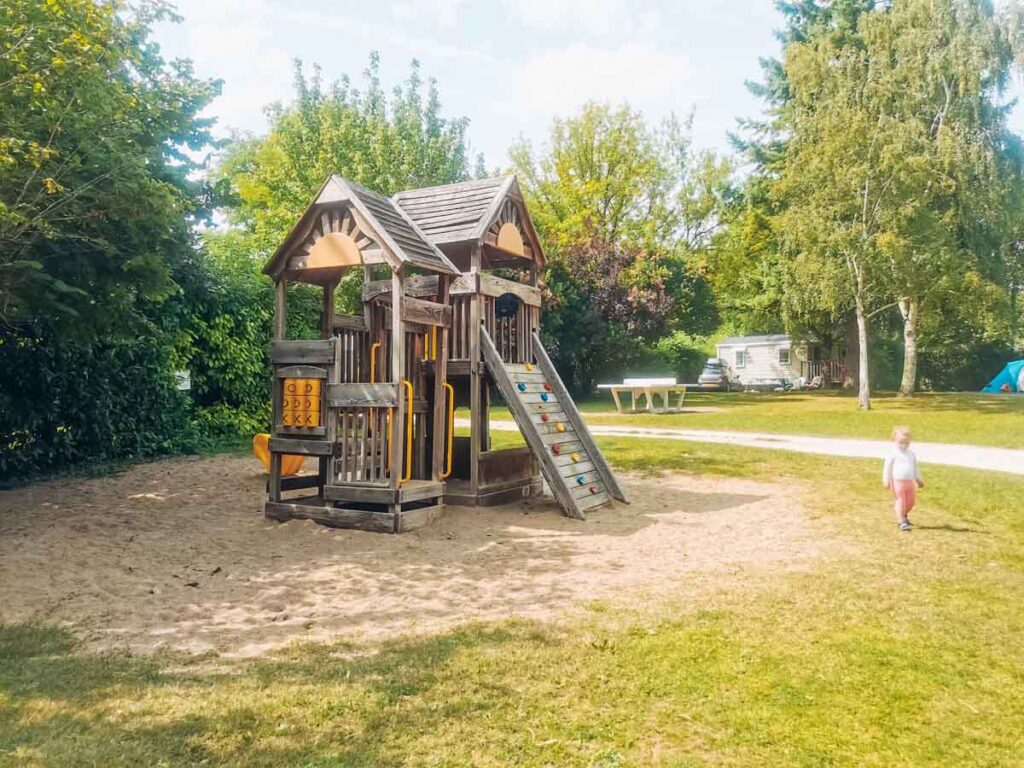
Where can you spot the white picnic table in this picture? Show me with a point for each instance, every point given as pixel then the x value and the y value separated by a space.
pixel 667 389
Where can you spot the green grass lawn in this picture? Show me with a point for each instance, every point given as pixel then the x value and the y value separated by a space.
pixel 905 649
pixel 942 418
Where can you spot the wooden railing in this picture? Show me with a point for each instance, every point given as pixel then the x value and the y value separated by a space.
pixel 353 362
pixel 363 416
pixel 458 345
pixel 513 334
pixel 831 371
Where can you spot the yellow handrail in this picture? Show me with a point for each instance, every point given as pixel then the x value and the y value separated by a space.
pixel 408 432
pixel 451 428
pixel 430 345
pixel 373 361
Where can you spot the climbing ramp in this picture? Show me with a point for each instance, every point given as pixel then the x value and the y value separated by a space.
pixel 570 460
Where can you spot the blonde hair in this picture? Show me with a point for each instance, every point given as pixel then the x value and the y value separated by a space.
pixel 898 432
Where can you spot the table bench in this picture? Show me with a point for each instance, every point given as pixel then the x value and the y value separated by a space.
pixel 667 389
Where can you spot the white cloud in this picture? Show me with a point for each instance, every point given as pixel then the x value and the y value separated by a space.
pixel 600 17
pixel 410 36
pixel 233 40
pixel 440 13
pixel 557 81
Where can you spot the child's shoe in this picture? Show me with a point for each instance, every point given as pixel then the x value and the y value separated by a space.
pixel 905 525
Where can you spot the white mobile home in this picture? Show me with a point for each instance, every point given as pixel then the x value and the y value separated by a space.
pixel 768 361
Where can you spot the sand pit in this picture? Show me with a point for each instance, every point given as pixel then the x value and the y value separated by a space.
pixel 177 555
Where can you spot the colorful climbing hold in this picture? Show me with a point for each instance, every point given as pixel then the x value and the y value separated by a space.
pixel 575 457
pixel 579 480
pixel 547 386
pixel 556 449
pixel 521 386
pixel 529 367
pixel 593 489
pixel 544 417
pixel 559 427
pixel 544 396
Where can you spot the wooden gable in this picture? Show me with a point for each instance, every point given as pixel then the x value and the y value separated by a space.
pixel 345 226
pixel 489 212
pixel 508 229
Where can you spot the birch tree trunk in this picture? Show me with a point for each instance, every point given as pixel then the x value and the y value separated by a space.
pixel 909 309
pixel 863 376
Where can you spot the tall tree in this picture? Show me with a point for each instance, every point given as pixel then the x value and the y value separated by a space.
pixel 97 132
pixel 95 196
pixel 939 72
pixel 625 212
pixel 894 179
pixel 747 263
pixel 386 142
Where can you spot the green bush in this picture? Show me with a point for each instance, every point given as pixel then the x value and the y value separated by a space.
pixel 227 325
pixel 964 367
pixel 683 355
pixel 65 403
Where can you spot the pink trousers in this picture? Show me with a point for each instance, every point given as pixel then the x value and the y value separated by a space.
pixel 904 494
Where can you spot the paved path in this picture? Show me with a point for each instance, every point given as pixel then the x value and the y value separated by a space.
pixel 973 456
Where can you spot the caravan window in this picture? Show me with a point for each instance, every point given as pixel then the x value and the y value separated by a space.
pixel 784 356
pixel 741 358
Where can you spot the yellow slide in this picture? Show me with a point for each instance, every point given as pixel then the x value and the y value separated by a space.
pixel 290 463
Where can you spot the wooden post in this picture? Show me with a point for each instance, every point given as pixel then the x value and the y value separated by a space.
pixel 280 332
pixel 274 482
pixel 327 312
pixel 368 316
pixel 485 416
pixel 475 425
pixel 280 310
pixel 440 394
pixel 398 373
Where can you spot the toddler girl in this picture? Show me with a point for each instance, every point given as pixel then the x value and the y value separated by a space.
pixel 902 477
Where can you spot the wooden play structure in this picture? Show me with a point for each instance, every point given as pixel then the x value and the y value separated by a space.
pixel 451 311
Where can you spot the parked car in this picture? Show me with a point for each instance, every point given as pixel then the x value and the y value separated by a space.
pixel 714 376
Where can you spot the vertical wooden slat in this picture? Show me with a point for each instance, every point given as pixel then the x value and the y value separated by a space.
pixel 327 311
pixel 397 372
pixel 280 310
pixel 343 416
pixel 475 310
pixel 373 415
pixel 364 414
pixel 440 376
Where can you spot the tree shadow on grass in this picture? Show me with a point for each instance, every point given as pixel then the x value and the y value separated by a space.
pixel 307 705
pixel 958 402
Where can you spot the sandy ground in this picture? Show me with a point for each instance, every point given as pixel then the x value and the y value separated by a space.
pixel 177 555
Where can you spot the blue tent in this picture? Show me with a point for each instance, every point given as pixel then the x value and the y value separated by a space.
pixel 1012 375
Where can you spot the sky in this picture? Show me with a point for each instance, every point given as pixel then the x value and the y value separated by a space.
pixel 510 66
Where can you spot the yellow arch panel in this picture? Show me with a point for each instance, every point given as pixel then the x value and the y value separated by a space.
pixel 511 239
pixel 334 250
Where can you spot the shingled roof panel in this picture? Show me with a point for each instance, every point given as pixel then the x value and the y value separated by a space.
pixel 452 212
pixel 399 227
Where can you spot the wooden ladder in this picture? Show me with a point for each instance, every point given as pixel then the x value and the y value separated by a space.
pixel 570 460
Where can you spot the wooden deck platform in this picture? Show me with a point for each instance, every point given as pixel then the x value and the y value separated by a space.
pixel 327 512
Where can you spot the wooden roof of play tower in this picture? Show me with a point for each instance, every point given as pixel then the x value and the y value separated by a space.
pixel 435 229
pixel 489 212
